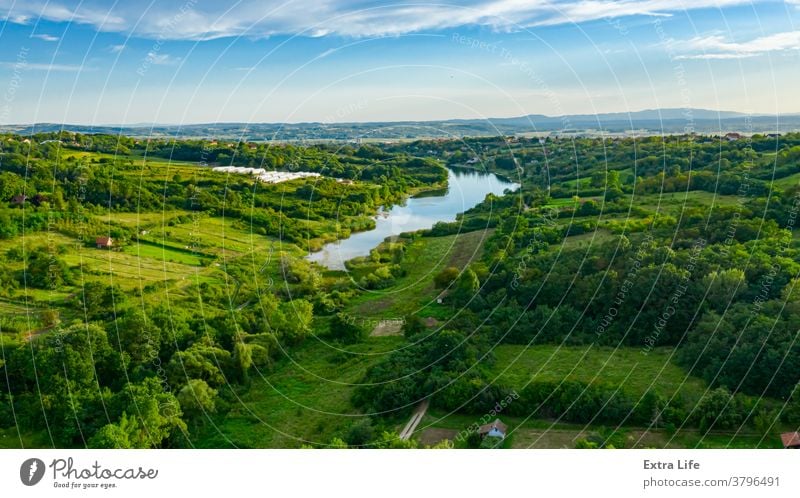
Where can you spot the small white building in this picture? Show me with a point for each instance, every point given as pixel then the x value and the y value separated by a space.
pixel 494 429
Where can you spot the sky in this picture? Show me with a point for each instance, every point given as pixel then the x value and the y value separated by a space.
pixel 205 61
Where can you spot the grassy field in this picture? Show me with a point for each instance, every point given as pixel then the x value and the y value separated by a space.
pixel 145 219
pixel 586 239
pixel 220 235
pixel 787 181
pixel 127 268
pixel 10 439
pixel 674 202
pixel 415 293
pixel 546 434
pixel 634 372
pixel 164 252
pixel 305 400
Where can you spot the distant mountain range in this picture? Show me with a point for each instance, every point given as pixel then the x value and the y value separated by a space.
pixel 651 121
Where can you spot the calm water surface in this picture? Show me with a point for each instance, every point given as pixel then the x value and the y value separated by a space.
pixel 465 190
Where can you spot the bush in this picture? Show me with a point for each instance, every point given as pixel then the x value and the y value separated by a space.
pixel 360 433
pixel 344 328
pixel 446 277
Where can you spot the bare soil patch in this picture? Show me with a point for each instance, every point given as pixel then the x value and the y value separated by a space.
pixel 387 327
pixel 432 436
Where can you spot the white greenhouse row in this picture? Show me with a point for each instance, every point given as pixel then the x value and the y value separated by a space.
pixel 264 175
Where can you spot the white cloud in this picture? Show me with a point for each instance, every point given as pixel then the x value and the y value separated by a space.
pixel 83 12
pixel 18 19
pixel 191 19
pixel 115 49
pixel 160 59
pixel 589 10
pixel 717 47
pixel 46 37
pixel 327 53
pixel 35 66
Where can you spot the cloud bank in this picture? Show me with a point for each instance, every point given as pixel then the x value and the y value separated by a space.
pixel 717 47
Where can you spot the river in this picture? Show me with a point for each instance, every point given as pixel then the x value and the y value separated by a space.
pixel 466 188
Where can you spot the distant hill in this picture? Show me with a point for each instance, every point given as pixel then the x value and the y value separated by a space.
pixel 649 121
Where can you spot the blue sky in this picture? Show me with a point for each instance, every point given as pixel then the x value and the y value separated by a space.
pixel 189 61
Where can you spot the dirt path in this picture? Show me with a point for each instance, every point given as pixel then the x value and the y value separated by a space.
pixel 388 327
pixel 415 419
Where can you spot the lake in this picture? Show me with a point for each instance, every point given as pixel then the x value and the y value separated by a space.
pixel 465 189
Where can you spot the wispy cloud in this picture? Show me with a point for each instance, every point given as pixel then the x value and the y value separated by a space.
pixel 717 47
pixel 45 37
pixel 315 18
pixel 18 18
pixel 161 59
pixel 36 66
pixel 327 53
pixel 590 10
pixel 91 12
pixel 115 49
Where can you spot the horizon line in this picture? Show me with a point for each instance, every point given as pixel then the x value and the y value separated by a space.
pixel 739 114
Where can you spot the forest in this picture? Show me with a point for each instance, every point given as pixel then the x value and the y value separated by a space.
pixel 633 292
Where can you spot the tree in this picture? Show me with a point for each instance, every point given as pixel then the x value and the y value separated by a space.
pixel 139 337
pixel 613 179
pixel 46 271
pixel 292 320
pixel 505 163
pixel 598 179
pixel 446 277
pixel 467 286
pixel 100 301
pixel 360 433
pixel 197 398
pixel 344 328
pixel 242 359
pixel 449 350
pixel 718 410
pixel 391 440
pixel 79 353
pixel 51 317
pixel 153 415
pixel 201 361
pixel 792 412
pixel 113 436
pixel 588 208
pixel 723 286
pixel 413 325
pixel 612 194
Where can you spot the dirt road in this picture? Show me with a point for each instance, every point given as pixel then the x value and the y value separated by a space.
pixel 413 422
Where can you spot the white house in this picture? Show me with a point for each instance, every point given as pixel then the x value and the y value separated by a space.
pixel 494 429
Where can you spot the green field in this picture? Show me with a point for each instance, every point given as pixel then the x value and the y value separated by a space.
pixel 10 439
pixel 304 400
pixel 164 252
pixel 415 293
pixel 626 368
pixel 525 433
